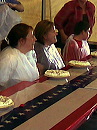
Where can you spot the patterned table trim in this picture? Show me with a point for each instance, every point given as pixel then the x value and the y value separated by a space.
pixel 21 114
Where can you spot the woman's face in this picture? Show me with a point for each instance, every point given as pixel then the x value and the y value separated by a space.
pixel 50 37
pixel 30 41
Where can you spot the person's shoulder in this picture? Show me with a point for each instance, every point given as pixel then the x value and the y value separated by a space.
pixel 9 55
pixel 8 51
pixel 53 46
pixel 70 40
pixel 38 45
pixel 90 4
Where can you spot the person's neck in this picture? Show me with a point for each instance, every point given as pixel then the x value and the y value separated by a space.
pixel 21 50
pixel 47 44
pixel 82 4
pixel 78 37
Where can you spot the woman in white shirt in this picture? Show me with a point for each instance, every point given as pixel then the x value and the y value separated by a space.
pixel 46 52
pixel 16 61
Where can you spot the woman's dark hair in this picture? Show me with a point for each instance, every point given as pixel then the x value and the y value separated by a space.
pixel 81 26
pixel 19 31
pixel 42 28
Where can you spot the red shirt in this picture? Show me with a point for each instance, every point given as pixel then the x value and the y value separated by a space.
pixel 71 13
pixel 75 50
pixel 79 43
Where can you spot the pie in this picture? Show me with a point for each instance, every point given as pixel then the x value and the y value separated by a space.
pixel 79 63
pixel 94 53
pixel 5 102
pixel 57 73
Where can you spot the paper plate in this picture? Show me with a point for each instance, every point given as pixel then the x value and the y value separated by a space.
pixel 76 63
pixel 57 73
pixel 5 102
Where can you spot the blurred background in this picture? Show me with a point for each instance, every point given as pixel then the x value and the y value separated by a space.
pixel 35 10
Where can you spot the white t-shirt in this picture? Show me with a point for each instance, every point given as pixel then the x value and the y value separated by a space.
pixel 16 67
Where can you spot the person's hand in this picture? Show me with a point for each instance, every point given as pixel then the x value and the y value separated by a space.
pixel 19 7
pixel 63 36
pixel 11 5
pixel 40 69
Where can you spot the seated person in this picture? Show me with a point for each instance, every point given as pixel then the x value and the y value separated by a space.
pixel 16 61
pixel 46 52
pixel 76 46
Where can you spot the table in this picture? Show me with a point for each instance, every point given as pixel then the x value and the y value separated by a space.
pixel 51 104
pixel 93 45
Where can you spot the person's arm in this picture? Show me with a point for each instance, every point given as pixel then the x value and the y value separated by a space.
pixel 6 68
pixel 61 19
pixel 71 51
pixel 91 19
pixel 74 51
pixel 19 7
pixel 41 69
pixel 63 36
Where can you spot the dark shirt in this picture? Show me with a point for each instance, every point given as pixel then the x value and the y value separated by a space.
pixel 85 18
